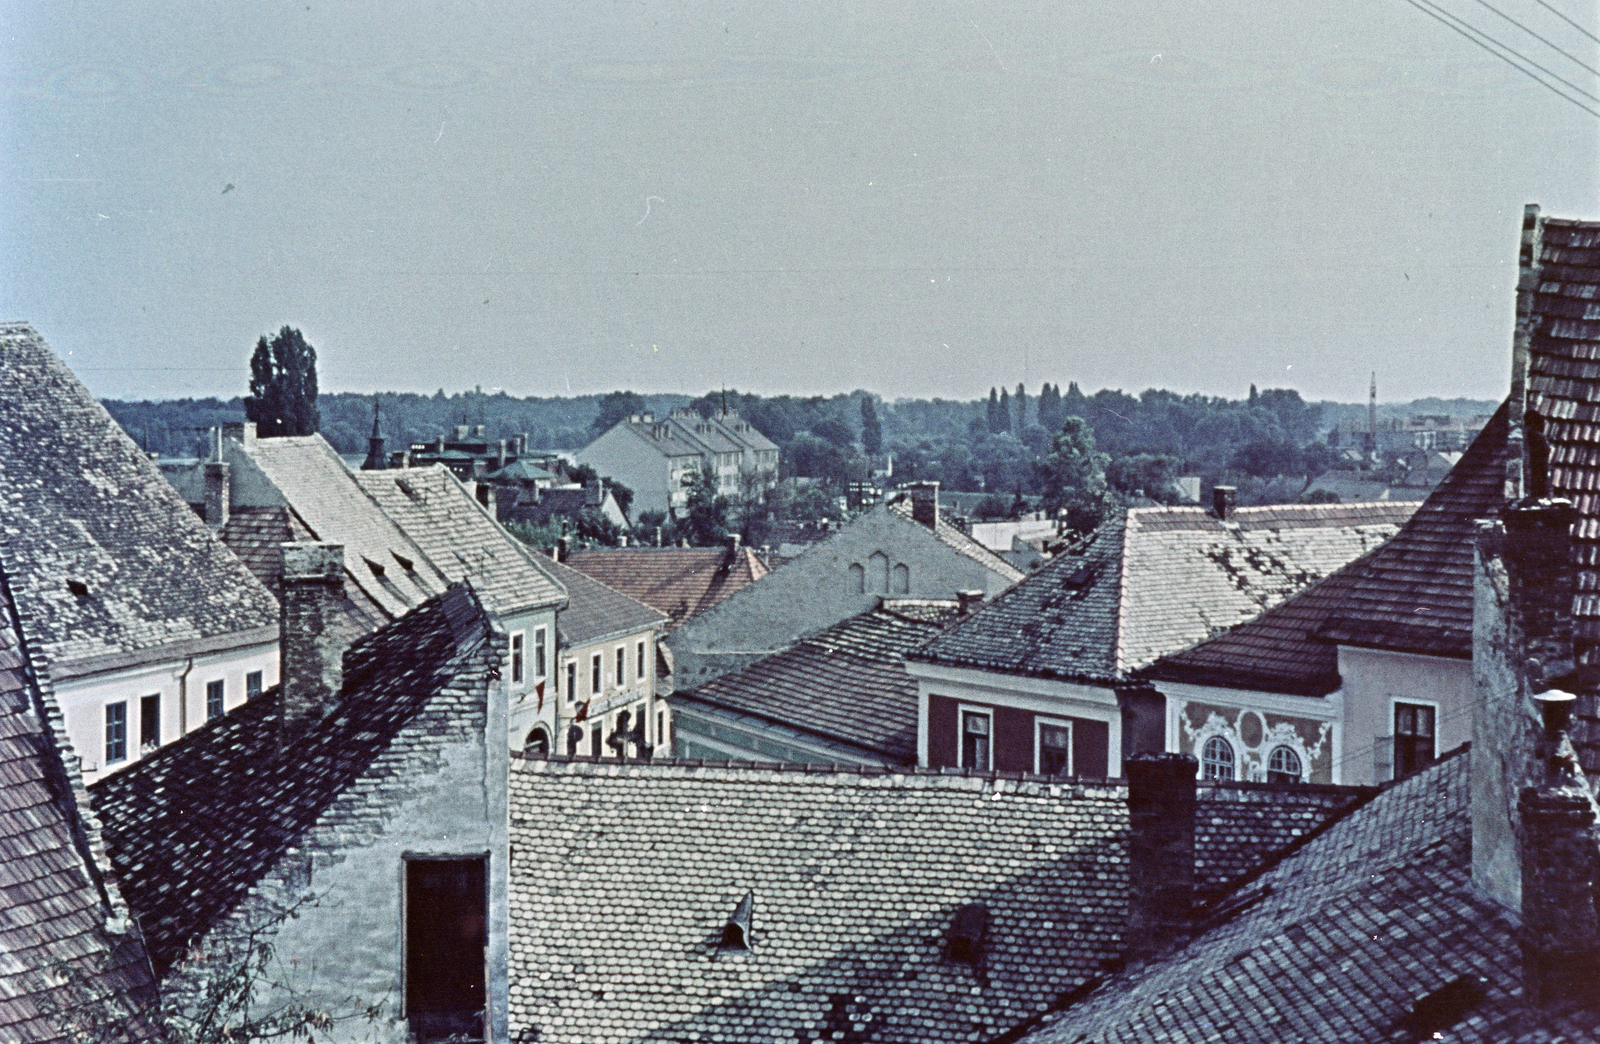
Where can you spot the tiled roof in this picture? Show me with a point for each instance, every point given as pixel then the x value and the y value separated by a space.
pixel 57 908
pixel 193 826
pixel 619 902
pixel 1415 594
pixel 1278 651
pixel 324 497
pixel 1337 942
pixel 847 683
pixel 593 610
pixel 435 510
pixel 81 505
pixel 952 537
pixel 1158 579
pixel 1061 622
pixel 742 431
pixel 679 581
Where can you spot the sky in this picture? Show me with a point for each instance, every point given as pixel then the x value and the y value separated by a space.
pixel 917 198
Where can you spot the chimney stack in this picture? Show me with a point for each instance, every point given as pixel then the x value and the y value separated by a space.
pixel 1222 501
pixel 242 432
pixel 1161 814
pixel 1560 858
pixel 968 601
pixel 925 503
pixel 218 493
pixel 312 668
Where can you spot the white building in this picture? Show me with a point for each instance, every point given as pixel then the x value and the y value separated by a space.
pixel 657 458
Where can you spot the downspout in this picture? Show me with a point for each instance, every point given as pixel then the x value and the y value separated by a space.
pixel 183 700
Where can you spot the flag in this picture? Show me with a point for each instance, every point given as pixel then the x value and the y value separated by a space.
pixel 583 711
pixel 539 690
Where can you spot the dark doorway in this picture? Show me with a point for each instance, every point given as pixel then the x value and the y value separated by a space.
pixel 446 935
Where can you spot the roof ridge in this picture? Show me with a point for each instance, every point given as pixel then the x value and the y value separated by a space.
pixel 833 769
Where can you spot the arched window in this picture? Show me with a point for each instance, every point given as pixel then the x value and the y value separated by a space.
pixel 878 573
pixel 858 579
pixel 1283 766
pixel 537 744
pixel 1216 759
pixel 900 580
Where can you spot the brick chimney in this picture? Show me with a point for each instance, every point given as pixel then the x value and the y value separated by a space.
pixel 1222 501
pixel 1521 646
pixel 924 503
pixel 1161 813
pixel 218 493
pixel 312 667
pixel 1560 935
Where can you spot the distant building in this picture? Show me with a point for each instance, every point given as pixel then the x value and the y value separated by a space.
pixel 656 458
pixel 145 623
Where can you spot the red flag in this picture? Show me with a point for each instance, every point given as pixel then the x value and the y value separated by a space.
pixel 583 711
pixel 540 690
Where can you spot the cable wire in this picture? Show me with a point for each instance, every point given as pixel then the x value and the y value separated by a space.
pixel 1565 54
pixel 1569 21
pixel 1509 49
pixel 1449 21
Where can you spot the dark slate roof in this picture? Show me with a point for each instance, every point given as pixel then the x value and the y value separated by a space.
pixel 58 911
pixel 81 504
pixel 1336 943
pixel 1278 651
pixel 1156 580
pixel 1415 594
pixel 193 826
pixel 594 611
pixel 1061 622
pixel 846 683
pixel 680 581
pixel 619 902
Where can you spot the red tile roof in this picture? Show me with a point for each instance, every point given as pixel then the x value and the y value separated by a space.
pixel 680 581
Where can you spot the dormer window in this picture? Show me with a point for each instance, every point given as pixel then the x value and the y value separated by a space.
pixel 78 588
pixel 738 932
pixel 964 939
pixel 405 563
pixel 377 570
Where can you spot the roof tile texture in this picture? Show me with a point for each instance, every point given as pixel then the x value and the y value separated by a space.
pixel 679 581
pixel 595 611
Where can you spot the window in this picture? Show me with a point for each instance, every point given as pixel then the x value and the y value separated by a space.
pixel 594 673
pixel 661 727
pixel 446 935
pixel 1216 759
pixel 214 706
pixel 252 685
pixel 1283 766
pixel 516 658
pixel 149 722
pixel 538 743
pixel 858 579
pixel 1055 748
pixel 1413 738
pixel 594 741
pixel 641 671
pixel 538 652
pixel 975 740
pixel 900 582
pixel 572 680
pixel 116 732
pixel 622 666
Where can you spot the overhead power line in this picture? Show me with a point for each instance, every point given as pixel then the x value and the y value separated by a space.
pixel 1569 21
pixel 1586 67
pixel 1505 53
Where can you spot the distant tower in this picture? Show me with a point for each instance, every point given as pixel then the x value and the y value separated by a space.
pixel 375 460
pixel 1372 415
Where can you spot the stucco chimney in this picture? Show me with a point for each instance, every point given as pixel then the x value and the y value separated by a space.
pixel 242 432
pixel 968 601
pixel 218 493
pixel 1222 501
pixel 924 503
pixel 312 667
pixel 1161 812
pixel 1560 857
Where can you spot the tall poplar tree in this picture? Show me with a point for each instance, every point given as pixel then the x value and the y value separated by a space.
pixel 283 386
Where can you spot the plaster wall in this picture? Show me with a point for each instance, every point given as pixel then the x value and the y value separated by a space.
pixel 622 455
pixel 1373 681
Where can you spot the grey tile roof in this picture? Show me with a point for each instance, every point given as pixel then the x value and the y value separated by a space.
pixel 594 611
pixel 952 537
pixel 1337 941
pixel 56 904
pixel 81 504
pixel 679 581
pixel 193 826
pixel 618 901
pixel 460 539
pixel 846 683
pixel 324 497
pixel 1156 580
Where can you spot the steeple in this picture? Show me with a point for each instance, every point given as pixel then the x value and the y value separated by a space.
pixel 1372 415
pixel 375 460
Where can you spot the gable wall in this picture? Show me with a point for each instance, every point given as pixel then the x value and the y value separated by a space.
pixel 816 591
pixel 1373 679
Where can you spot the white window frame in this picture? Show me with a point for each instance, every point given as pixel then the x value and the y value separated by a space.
pixel 962 710
pixel 644 671
pixel 572 680
pixel 105 721
pixel 1038 745
pixel 1235 758
pixel 519 657
pixel 621 659
pixel 541 659
pixel 597 673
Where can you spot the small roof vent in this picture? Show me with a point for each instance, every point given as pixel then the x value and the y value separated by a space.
pixel 78 588
pixel 963 940
pixel 405 563
pixel 738 933
pixel 1445 1006
pixel 377 570
pixel 1079 579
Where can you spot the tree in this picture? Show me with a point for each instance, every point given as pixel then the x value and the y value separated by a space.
pixel 1003 412
pixel 1148 474
pixel 1022 409
pixel 615 406
pixel 705 520
pixel 871 430
pixel 283 386
pixel 994 412
pixel 1073 476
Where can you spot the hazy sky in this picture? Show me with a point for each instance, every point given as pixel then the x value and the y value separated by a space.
pixel 916 198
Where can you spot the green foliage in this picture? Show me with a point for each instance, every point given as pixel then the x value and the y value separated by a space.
pixel 541 536
pixel 871 429
pixel 1147 474
pixel 705 519
pixel 283 386
pixel 1073 476
pixel 614 407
